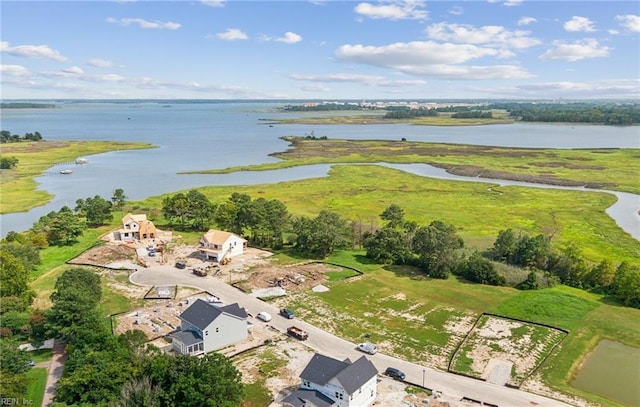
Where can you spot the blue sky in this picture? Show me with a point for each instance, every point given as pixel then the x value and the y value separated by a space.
pixel 391 49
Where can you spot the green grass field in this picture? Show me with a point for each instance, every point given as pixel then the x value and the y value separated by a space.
pixel 361 192
pixel 37 377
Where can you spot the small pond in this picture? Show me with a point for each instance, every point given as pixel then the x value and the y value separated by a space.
pixel 612 370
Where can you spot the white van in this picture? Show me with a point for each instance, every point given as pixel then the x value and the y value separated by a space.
pixel 264 316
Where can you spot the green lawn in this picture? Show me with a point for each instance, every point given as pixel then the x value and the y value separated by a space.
pixel 37 377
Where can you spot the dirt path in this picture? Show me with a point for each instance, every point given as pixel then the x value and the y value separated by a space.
pixel 55 368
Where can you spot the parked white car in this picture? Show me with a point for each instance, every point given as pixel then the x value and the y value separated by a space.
pixel 264 316
pixel 367 347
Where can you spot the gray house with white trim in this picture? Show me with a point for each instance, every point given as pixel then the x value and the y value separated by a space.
pixel 328 382
pixel 207 327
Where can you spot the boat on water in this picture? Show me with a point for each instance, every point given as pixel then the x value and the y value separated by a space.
pixel 82 161
pixel 66 172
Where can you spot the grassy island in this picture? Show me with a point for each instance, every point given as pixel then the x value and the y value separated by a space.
pixel 19 191
pixel 614 169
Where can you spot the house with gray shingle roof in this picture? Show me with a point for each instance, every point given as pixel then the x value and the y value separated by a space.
pixel 206 327
pixel 328 382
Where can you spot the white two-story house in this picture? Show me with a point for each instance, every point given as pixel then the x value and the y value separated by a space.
pixel 216 245
pixel 328 382
pixel 136 227
pixel 206 327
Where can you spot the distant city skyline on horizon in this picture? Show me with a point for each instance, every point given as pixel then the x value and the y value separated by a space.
pixel 320 50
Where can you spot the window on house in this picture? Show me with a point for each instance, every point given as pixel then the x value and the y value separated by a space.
pixel 306 383
pixel 339 395
pixel 217 330
pixel 206 333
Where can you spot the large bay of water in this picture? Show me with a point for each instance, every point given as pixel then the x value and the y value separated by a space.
pixel 197 136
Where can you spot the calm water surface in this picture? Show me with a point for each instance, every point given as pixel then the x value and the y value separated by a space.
pixel 612 370
pixel 219 135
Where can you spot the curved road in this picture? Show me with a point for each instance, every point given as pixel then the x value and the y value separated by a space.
pixel 452 386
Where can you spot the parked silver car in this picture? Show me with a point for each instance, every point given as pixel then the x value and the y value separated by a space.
pixel 367 347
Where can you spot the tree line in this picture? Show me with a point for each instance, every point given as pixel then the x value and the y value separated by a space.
pixel 7 137
pixel 602 113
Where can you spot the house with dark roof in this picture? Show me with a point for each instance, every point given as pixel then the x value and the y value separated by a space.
pixel 206 327
pixel 328 382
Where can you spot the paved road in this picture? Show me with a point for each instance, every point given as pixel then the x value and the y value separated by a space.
pixel 54 369
pixel 453 387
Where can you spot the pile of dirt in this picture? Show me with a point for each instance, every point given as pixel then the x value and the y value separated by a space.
pixel 295 278
pixel 103 255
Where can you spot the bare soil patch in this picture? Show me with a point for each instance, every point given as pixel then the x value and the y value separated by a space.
pixel 504 351
pixel 107 254
pixel 294 278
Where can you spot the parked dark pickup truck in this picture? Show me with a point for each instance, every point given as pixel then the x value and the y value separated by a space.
pixel 297 333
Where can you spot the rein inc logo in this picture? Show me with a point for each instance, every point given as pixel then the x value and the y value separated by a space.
pixel 15 402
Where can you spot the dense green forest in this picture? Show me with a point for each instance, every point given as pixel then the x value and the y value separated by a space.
pixel 579 112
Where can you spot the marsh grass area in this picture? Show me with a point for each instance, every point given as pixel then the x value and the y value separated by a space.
pixel 18 185
pixel 479 211
pixel 367 117
pixel 614 169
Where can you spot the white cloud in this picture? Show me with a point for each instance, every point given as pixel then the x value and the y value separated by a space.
pixel 99 63
pixel 630 21
pixel 232 34
pixel 579 24
pixel 76 70
pixel 213 3
pixel 611 88
pixel 527 20
pixel 587 48
pixel 508 3
pixel 32 51
pixel 493 35
pixel 512 3
pixel 372 80
pixel 393 10
pixel 339 77
pixel 456 10
pixel 289 38
pixel 14 70
pixel 428 58
pixel 142 23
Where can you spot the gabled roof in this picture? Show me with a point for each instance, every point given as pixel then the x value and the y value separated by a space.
pixel 218 237
pixel 201 314
pixel 357 374
pixel 308 397
pixel 321 369
pixel 234 309
pixel 137 218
